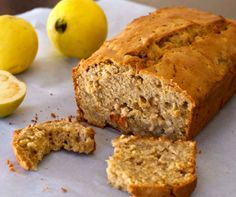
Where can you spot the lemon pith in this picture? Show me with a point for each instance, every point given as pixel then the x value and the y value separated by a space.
pixel 12 93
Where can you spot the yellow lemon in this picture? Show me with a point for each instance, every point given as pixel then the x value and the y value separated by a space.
pixel 77 28
pixel 18 44
pixel 12 93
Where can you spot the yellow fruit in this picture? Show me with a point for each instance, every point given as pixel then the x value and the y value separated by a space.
pixel 12 93
pixel 18 44
pixel 77 28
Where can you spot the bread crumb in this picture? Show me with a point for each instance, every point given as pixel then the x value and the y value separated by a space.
pixel 11 166
pixel 35 119
pixel 46 189
pixel 64 189
pixel 10 123
pixel 53 115
pixel 51 94
pixel 199 152
pixel 70 118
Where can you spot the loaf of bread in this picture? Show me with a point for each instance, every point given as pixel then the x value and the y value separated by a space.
pixel 150 167
pixel 32 143
pixel 166 74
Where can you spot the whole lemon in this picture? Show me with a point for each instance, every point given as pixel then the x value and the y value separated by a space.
pixel 18 44
pixel 12 93
pixel 77 28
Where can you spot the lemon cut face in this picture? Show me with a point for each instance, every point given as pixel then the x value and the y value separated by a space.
pixel 12 93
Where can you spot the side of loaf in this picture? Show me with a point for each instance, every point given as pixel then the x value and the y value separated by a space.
pixel 166 74
pixel 32 143
pixel 147 166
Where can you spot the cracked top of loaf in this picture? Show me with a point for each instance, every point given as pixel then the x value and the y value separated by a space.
pixel 180 45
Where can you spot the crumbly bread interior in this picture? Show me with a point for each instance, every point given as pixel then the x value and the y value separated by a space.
pixel 32 143
pixel 151 162
pixel 134 103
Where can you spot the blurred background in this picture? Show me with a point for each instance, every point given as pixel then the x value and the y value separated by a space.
pixel 19 6
pixel 226 7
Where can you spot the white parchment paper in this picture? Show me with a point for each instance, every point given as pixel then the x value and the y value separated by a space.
pixel 50 90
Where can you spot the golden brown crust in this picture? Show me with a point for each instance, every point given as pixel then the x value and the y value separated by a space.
pixel 76 90
pixel 152 191
pixel 146 29
pixel 185 190
pixel 149 191
pixel 204 70
pixel 21 160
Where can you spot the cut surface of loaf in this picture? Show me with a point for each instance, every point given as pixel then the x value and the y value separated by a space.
pixel 147 166
pixel 167 74
pixel 32 143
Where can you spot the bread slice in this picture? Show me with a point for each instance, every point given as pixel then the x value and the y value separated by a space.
pixel 147 166
pixel 32 143
pixel 167 74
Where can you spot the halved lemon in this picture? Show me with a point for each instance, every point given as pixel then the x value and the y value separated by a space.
pixel 12 93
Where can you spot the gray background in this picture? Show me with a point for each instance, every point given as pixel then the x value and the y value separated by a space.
pixel 222 7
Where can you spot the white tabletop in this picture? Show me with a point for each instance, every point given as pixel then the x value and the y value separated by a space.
pixel 82 175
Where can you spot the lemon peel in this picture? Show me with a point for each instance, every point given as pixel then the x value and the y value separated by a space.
pixel 12 93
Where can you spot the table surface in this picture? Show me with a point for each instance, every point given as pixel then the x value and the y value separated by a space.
pixel 216 166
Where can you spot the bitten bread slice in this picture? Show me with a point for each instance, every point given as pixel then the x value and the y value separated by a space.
pixel 32 143
pixel 148 167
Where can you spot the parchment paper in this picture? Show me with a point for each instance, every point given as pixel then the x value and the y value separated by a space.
pixel 50 90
